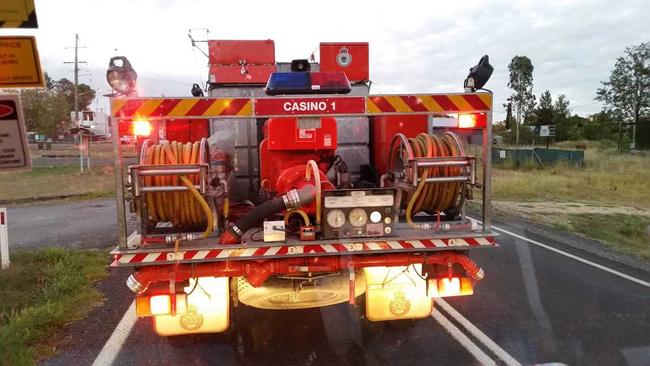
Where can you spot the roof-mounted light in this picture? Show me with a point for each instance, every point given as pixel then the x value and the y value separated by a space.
pixel 308 83
pixel 121 76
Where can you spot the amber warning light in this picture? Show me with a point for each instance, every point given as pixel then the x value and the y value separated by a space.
pixel 142 128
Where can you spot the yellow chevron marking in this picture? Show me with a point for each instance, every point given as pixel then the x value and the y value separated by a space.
pixel 217 107
pixel 247 109
pixel 371 107
pixel 182 108
pixel 397 103
pixel 116 105
pixel 147 108
pixel 486 98
pixel 13 24
pixel 460 102
pixel 430 104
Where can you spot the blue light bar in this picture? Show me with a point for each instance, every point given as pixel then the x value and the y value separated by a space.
pixel 308 83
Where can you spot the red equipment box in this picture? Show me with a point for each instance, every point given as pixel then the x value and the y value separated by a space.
pixel 241 62
pixel 301 133
pixel 349 57
pixel 385 127
pixel 187 130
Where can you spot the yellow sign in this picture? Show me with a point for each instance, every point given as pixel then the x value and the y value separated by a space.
pixel 20 66
pixel 18 14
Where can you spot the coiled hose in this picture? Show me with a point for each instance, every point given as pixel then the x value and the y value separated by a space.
pixel 433 197
pixel 186 208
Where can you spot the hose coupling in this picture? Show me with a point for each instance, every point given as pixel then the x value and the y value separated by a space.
pixel 134 285
pixel 292 200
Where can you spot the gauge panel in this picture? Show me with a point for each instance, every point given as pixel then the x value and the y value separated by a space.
pixel 358 213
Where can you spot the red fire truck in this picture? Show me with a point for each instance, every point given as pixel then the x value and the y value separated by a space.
pixel 290 186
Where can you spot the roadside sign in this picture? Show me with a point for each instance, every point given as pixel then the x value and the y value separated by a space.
pixel 544 131
pixel 18 14
pixel 310 106
pixel 20 66
pixel 547 130
pixel 14 151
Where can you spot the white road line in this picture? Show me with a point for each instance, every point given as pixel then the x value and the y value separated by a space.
pixel 478 334
pixel 575 257
pixel 112 347
pixel 470 346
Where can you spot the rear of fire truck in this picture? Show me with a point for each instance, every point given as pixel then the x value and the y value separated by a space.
pixel 290 186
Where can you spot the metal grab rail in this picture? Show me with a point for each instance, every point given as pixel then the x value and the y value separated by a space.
pixel 138 171
pixel 450 161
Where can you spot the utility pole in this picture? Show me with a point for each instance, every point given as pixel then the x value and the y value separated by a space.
pixel 517 124
pixel 76 63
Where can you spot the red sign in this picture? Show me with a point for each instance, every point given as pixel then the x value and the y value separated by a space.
pixel 5 110
pixel 309 106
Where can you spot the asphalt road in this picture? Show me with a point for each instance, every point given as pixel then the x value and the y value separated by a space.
pixel 72 161
pixel 536 306
pixel 77 224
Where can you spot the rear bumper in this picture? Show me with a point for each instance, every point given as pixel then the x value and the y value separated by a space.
pixel 207 250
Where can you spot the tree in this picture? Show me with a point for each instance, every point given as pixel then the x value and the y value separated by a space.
pixel 544 113
pixel 45 111
pixel 600 126
pixel 627 92
pixel 521 82
pixel 561 108
pixel 85 93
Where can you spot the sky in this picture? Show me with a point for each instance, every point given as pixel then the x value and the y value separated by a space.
pixel 415 46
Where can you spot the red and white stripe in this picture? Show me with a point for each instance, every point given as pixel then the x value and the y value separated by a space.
pixel 286 250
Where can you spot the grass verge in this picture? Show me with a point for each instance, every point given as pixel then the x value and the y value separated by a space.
pixel 607 178
pixel 624 233
pixel 56 181
pixel 41 292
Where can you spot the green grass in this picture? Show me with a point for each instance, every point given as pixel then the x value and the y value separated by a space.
pixel 56 181
pixel 607 178
pixel 625 233
pixel 41 292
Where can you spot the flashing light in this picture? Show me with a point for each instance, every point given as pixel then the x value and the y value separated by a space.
pixel 308 83
pixel 446 286
pixel 466 121
pixel 142 128
pixel 477 120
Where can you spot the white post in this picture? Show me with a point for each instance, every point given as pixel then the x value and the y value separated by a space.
pixel 4 238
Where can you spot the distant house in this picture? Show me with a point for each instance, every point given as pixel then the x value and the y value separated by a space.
pixel 96 121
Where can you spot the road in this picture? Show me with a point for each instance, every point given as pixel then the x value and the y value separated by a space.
pixel 73 161
pixel 79 224
pixel 535 306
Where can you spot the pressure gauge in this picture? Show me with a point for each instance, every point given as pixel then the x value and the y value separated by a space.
pixel 335 218
pixel 358 217
pixel 375 216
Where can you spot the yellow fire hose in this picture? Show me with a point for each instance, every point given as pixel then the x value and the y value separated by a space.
pixel 181 208
pixel 434 196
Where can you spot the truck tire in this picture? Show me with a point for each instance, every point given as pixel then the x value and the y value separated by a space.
pixel 279 294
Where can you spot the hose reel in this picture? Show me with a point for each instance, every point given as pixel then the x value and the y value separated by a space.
pixel 434 171
pixel 170 185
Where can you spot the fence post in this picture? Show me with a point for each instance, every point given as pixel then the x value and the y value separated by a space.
pixel 4 238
